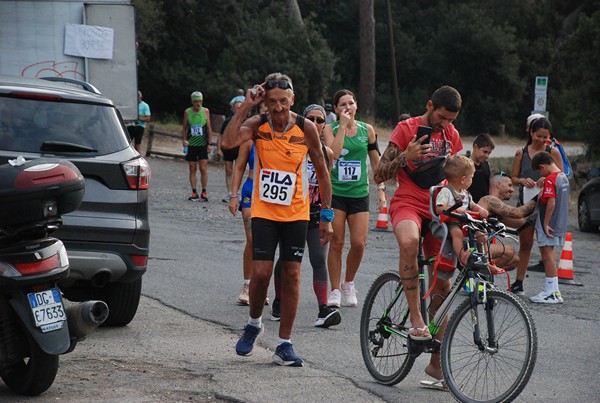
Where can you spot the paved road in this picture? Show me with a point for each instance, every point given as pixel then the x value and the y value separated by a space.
pixel 180 346
pixel 207 286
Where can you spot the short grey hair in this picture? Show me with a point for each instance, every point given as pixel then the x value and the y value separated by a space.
pixel 278 77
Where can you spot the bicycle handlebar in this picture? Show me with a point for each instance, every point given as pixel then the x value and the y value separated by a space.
pixel 491 225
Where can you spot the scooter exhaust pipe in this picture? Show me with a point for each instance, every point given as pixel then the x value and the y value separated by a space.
pixel 85 317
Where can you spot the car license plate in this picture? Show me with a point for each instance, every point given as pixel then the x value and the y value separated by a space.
pixel 47 308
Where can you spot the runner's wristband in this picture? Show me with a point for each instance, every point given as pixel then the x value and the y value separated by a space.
pixel 327 215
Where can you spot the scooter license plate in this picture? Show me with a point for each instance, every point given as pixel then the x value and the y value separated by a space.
pixel 48 309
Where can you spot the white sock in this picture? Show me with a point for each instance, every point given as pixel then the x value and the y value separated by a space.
pixel 256 322
pixel 555 284
pixel 281 341
pixel 549 285
pixel 247 282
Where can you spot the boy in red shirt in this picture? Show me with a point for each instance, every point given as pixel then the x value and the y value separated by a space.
pixel 551 224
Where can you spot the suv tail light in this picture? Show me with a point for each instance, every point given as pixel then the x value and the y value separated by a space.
pixel 140 260
pixel 137 173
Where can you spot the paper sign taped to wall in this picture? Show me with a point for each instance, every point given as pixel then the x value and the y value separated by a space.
pixel 89 41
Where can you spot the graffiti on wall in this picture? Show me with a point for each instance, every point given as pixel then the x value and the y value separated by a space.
pixel 51 68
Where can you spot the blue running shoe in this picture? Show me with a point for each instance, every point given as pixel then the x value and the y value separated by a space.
pixel 284 355
pixel 246 343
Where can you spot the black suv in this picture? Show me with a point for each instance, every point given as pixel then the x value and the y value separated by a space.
pixel 107 238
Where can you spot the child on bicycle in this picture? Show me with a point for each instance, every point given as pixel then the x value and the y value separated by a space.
pixel 551 224
pixel 459 171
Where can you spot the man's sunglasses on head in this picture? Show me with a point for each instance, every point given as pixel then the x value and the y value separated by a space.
pixel 283 84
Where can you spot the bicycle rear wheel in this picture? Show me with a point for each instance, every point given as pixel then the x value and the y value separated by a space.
pixel 499 371
pixel 383 334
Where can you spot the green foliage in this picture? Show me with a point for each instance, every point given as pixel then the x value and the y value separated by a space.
pixel 150 28
pixel 576 67
pixel 490 51
pixel 201 50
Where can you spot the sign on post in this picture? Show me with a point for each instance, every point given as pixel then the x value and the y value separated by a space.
pixel 540 94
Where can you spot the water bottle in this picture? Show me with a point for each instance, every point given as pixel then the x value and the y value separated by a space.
pixel 185 149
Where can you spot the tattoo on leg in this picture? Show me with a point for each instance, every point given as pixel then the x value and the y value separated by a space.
pixel 408 270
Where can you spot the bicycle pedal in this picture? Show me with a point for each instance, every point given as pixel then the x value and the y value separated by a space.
pixel 433 346
pixel 415 347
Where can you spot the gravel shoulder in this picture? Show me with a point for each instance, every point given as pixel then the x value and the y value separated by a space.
pixel 163 356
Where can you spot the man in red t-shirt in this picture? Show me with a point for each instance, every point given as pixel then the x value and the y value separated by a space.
pixel 409 207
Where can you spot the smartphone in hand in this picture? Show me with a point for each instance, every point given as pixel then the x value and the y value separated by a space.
pixel 422 131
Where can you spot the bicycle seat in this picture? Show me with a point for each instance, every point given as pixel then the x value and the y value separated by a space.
pixel 437 229
pixel 446 259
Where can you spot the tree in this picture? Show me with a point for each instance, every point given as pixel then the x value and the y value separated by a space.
pixel 491 51
pixel 575 72
pixel 292 6
pixel 200 50
pixel 367 60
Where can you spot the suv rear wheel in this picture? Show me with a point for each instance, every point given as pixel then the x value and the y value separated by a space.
pixel 584 218
pixel 122 300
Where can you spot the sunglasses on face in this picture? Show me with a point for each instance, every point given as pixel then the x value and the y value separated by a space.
pixel 283 84
pixel 316 119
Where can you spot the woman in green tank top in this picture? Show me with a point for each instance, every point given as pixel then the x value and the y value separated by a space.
pixel 351 141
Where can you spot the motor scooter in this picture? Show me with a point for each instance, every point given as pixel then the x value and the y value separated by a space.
pixel 36 323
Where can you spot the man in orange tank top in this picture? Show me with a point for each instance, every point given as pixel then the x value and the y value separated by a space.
pixel 280 205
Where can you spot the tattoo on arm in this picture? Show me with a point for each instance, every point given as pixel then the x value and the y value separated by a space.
pixel 504 210
pixel 388 164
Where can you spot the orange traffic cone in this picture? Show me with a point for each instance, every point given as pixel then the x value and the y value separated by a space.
pixel 565 265
pixel 382 220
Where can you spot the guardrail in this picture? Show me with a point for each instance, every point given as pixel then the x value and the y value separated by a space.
pixel 153 131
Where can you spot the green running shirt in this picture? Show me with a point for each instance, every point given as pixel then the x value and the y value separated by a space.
pixel 349 175
pixel 197 128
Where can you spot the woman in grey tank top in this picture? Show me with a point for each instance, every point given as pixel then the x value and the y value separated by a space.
pixel 522 175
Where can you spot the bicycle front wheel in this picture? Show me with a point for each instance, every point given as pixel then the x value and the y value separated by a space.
pixel 383 334
pixel 499 369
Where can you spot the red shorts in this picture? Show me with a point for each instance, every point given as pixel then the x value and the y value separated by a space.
pixel 401 210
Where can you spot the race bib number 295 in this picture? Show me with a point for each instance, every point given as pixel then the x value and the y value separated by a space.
pixel 277 186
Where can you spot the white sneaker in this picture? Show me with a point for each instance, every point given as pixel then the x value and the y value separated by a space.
pixel 244 298
pixel 334 298
pixel 546 298
pixel 559 297
pixel 349 294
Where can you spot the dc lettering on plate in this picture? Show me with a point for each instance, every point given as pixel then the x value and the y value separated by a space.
pixel 277 187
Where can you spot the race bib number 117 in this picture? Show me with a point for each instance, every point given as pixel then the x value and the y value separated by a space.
pixel 277 187
pixel 349 171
